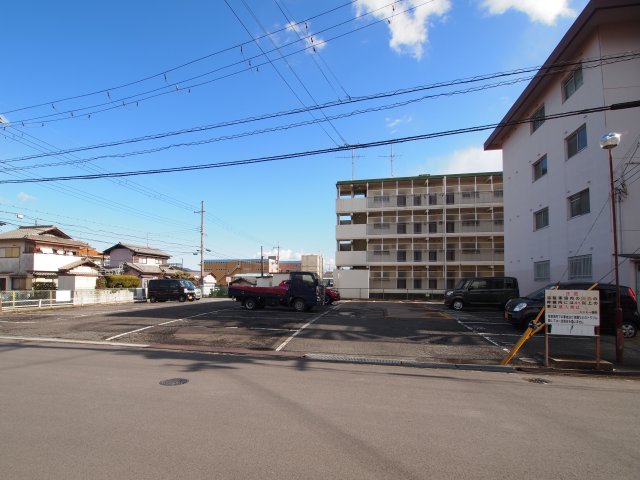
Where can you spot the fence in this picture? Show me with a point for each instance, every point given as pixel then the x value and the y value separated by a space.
pixel 58 298
pixel 390 294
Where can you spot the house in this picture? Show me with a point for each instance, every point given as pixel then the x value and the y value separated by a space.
pixel 417 235
pixel 557 194
pixel 32 254
pixel 79 275
pixel 143 261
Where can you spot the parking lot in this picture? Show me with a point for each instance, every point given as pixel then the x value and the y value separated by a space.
pixel 420 331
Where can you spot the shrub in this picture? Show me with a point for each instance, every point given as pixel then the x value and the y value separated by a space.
pixel 101 283
pixel 44 286
pixel 121 281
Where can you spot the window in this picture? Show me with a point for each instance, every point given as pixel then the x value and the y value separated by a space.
pixel 498 193
pixel 417 200
pixel 540 168
pixel 380 199
pixel 417 228
pixel 577 141
pixel 402 256
pixel 402 283
pixel 402 228
pixel 579 203
pixel 402 201
pixel 417 283
pixel 451 255
pixel 450 198
pixel 344 246
pixel 417 255
pixel 450 227
pixel 541 218
pixel 433 199
pixel 470 223
pixel 10 252
pixel 433 227
pixel 572 83
pixel 537 119
pixel 470 195
pixel 580 267
pixel 433 283
pixel 541 271
pixel 433 255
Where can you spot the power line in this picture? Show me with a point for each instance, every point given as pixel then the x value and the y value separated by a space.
pixel 551 70
pixel 308 153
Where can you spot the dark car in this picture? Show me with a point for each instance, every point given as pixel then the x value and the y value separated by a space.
pixel 162 290
pixel 520 311
pixel 482 291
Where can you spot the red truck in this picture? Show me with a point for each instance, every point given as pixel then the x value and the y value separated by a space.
pixel 303 291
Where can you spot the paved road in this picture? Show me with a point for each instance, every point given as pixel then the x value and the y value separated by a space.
pixel 408 330
pixel 79 411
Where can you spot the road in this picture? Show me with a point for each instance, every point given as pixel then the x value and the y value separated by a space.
pixel 87 411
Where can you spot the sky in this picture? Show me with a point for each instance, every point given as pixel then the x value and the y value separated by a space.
pixel 220 91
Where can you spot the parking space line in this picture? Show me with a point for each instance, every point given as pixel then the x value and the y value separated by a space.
pixel 163 323
pixel 297 332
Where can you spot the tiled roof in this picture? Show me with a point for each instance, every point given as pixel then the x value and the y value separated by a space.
pixel 140 249
pixel 42 233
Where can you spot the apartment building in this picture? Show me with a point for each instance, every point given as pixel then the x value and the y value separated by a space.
pixel 417 235
pixel 558 220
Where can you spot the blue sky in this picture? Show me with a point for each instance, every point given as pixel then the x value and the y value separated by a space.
pixel 78 74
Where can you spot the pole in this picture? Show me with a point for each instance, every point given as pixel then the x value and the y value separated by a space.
pixel 261 263
pixel 618 311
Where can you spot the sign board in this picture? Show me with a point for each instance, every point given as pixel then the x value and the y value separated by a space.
pixel 572 312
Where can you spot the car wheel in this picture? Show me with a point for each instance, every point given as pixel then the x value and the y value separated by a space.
pixel 182 298
pixel 629 330
pixel 457 304
pixel 250 304
pixel 299 305
pixel 153 299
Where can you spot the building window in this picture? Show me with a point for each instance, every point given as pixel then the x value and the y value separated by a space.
pixel 451 255
pixel 540 168
pixel 498 193
pixel 402 228
pixel 572 83
pixel 470 195
pixel 10 252
pixel 402 256
pixel 417 228
pixel 450 198
pixel 541 271
pixel 537 119
pixel 579 203
pixel 433 255
pixel 402 283
pixel 402 201
pixel 450 227
pixel 577 141
pixel 417 200
pixel 541 218
pixel 580 267
pixel 417 255
pixel 433 199
pixel 417 283
pixel 433 227
pixel 433 283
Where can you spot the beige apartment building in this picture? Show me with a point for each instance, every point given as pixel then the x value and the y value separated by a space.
pixel 417 235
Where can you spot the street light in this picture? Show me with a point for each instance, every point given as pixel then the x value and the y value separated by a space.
pixel 609 141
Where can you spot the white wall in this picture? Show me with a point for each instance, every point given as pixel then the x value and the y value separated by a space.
pixel 352 283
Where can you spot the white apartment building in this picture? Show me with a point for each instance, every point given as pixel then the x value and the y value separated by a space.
pixel 417 235
pixel 557 210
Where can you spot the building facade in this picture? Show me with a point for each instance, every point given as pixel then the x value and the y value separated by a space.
pixel 417 235
pixel 558 221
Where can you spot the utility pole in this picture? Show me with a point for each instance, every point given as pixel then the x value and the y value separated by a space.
pixel 201 212
pixel 353 162
pixel 261 262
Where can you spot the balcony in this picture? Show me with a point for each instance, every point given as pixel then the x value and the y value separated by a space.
pixel 351 232
pixel 351 205
pixel 351 259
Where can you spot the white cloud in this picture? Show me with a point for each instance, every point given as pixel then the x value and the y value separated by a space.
pixel 407 21
pixel 542 11
pixel 25 197
pixel 392 123
pixel 303 30
pixel 467 160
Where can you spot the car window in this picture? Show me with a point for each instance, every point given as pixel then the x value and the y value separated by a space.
pixel 479 283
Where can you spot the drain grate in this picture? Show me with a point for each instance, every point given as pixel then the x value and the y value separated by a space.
pixel 172 382
pixel 540 381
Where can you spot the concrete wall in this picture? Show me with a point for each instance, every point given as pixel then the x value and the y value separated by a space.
pixel 352 283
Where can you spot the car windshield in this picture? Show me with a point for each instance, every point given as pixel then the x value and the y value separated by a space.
pixel 539 294
pixel 461 284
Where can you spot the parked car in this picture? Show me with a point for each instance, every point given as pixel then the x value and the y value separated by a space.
pixel 482 291
pixel 520 311
pixel 197 290
pixel 330 295
pixel 161 290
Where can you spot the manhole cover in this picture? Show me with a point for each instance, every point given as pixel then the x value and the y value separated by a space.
pixel 541 381
pixel 173 381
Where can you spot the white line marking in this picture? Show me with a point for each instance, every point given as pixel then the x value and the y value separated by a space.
pixel 7 321
pixel 479 333
pixel 163 323
pixel 80 342
pixel 297 332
